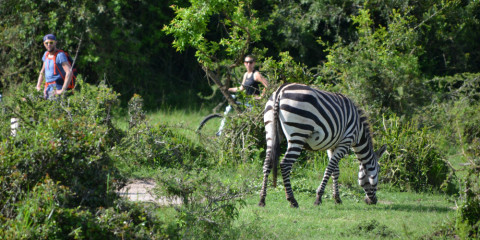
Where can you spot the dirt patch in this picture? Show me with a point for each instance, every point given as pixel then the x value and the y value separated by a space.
pixel 385 202
pixel 142 191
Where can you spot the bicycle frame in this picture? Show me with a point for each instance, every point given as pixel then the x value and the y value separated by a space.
pixel 228 109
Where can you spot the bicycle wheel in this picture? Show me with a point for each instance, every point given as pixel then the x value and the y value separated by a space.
pixel 210 124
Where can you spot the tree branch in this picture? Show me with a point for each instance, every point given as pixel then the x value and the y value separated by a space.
pixel 222 88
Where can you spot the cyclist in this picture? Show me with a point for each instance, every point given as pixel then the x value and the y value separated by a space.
pixel 250 83
pixel 251 80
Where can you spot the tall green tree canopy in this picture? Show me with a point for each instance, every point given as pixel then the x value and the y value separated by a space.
pixel 122 42
pixel 236 29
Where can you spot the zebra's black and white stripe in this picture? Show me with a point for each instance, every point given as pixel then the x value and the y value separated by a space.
pixel 318 120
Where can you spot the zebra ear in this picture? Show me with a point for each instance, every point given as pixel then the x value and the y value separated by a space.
pixel 381 151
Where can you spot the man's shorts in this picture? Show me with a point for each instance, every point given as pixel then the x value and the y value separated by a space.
pixel 50 92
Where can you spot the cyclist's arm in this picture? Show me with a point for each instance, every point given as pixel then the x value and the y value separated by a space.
pixel 259 78
pixel 40 77
pixel 237 89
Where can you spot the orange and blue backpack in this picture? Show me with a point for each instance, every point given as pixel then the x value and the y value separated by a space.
pixel 70 61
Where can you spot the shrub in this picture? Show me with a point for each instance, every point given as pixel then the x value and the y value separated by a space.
pixel 149 146
pixel 67 139
pixel 380 70
pixel 209 206
pixel 57 175
pixel 243 138
pixel 456 103
pixel 412 162
pixel 468 213
pixel 43 215
pixel 34 212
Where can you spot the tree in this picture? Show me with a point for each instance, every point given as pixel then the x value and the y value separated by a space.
pixel 381 68
pixel 221 33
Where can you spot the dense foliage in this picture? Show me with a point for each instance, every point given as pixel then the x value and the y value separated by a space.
pixel 119 42
pixel 380 69
pixel 58 179
pixel 412 65
pixel 412 147
pixel 209 205
pixel 122 42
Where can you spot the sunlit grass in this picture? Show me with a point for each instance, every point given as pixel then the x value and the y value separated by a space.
pixel 185 122
pixel 397 215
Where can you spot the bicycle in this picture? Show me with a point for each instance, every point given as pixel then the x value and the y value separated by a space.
pixel 210 119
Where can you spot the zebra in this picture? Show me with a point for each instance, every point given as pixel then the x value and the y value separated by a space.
pixel 318 120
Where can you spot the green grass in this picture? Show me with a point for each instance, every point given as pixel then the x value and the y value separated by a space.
pixel 189 118
pixel 397 215
pixel 185 121
pixel 400 215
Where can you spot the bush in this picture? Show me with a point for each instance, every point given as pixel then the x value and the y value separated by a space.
pixel 34 212
pixel 66 139
pixel 468 214
pixel 209 206
pixel 43 215
pixel 243 138
pixel 57 175
pixel 457 103
pixel 379 70
pixel 154 146
pixel 412 162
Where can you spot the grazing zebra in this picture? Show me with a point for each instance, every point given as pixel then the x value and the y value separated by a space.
pixel 318 120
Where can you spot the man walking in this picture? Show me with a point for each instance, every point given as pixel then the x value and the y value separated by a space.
pixel 56 69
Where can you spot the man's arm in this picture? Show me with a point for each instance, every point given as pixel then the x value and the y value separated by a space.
pixel 40 77
pixel 68 76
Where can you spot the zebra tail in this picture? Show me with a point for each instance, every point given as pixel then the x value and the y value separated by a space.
pixel 275 150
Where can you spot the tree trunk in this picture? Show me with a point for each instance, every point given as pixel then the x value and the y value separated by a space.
pixel 222 88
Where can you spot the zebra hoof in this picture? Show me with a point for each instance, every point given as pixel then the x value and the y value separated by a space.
pixel 337 199
pixel 318 202
pixel 293 203
pixel 261 203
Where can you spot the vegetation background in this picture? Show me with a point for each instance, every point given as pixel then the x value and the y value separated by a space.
pixel 151 69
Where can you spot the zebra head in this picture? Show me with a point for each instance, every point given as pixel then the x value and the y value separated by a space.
pixel 368 176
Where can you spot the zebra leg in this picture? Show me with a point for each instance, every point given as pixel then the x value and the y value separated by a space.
pixel 334 157
pixel 293 151
pixel 267 167
pixel 321 189
pixel 263 193
pixel 326 176
pixel 336 192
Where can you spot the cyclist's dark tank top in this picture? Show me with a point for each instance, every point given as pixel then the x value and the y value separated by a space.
pixel 251 86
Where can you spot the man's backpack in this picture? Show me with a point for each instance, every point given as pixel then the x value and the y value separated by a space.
pixel 55 68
